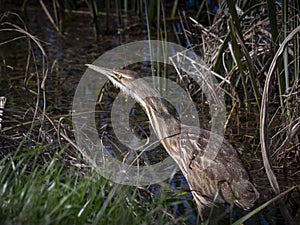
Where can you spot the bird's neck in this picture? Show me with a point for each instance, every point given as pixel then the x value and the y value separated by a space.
pixel 162 117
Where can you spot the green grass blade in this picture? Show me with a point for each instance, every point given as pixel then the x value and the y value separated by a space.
pixel 285 33
pixel 273 20
pixel 174 9
pixel 237 55
pixel 274 32
pixel 235 17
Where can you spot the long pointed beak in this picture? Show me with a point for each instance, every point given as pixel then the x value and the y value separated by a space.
pixel 109 73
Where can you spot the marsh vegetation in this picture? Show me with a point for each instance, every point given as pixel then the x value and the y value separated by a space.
pixel 252 47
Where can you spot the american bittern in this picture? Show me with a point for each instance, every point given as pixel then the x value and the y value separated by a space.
pixel 223 180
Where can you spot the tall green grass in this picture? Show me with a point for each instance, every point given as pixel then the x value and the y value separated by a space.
pixel 36 190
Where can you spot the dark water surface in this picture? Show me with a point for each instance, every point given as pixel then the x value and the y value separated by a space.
pixel 67 55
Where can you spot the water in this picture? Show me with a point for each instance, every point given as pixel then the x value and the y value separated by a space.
pixel 67 55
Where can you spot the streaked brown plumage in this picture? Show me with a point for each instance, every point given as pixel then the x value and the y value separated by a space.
pixel 223 180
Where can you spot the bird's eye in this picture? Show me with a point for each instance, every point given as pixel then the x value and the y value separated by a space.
pixel 118 75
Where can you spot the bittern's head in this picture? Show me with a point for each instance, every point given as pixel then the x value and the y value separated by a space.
pixel 159 111
pixel 119 78
pixel 123 79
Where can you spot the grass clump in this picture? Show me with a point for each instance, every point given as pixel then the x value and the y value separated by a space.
pixel 36 191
